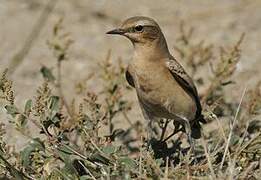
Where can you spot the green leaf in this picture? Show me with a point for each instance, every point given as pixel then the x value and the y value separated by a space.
pixel 85 177
pixel 54 103
pixel 68 172
pixel 21 121
pixel 66 150
pixel 130 163
pixel 109 149
pixel 234 139
pixel 56 119
pixel 28 106
pixel 47 73
pixel 66 155
pixel 97 157
pixel 35 145
pixel 12 110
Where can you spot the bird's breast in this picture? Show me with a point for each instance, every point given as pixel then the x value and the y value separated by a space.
pixel 159 92
pixel 154 83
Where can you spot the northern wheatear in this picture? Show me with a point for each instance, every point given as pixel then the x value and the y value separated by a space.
pixel 163 87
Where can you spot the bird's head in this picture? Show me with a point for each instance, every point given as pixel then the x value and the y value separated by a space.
pixel 139 29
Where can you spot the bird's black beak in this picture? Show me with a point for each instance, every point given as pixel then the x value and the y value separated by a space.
pixel 116 31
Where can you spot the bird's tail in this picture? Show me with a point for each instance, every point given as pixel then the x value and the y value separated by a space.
pixel 196 127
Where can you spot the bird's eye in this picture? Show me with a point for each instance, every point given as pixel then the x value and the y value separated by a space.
pixel 138 28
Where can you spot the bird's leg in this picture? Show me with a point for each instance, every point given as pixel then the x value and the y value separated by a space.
pixel 176 130
pixel 164 129
pixel 190 140
pixel 177 126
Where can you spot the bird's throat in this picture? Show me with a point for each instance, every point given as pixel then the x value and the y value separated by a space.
pixel 152 50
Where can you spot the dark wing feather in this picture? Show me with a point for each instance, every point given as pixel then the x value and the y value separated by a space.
pixel 129 78
pixel 185 81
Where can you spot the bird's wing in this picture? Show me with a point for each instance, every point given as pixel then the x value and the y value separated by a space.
pixel 185 82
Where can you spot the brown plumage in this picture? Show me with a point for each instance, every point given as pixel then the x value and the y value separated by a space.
pixel 163 87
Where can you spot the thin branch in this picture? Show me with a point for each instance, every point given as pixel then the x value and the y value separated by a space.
pixel 87 170
pixel 232 128
pixel 223 133
pixel 77 153
pixel 208 159
pixel 59 87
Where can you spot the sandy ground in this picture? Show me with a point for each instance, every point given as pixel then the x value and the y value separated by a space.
pixel 218 22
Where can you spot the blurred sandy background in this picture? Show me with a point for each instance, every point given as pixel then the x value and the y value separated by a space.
pixel 218 22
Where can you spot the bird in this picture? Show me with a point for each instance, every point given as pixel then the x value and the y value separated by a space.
pixel 164 89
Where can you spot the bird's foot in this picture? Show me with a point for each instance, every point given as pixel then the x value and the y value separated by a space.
pixel 164 128
pixel 160 148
